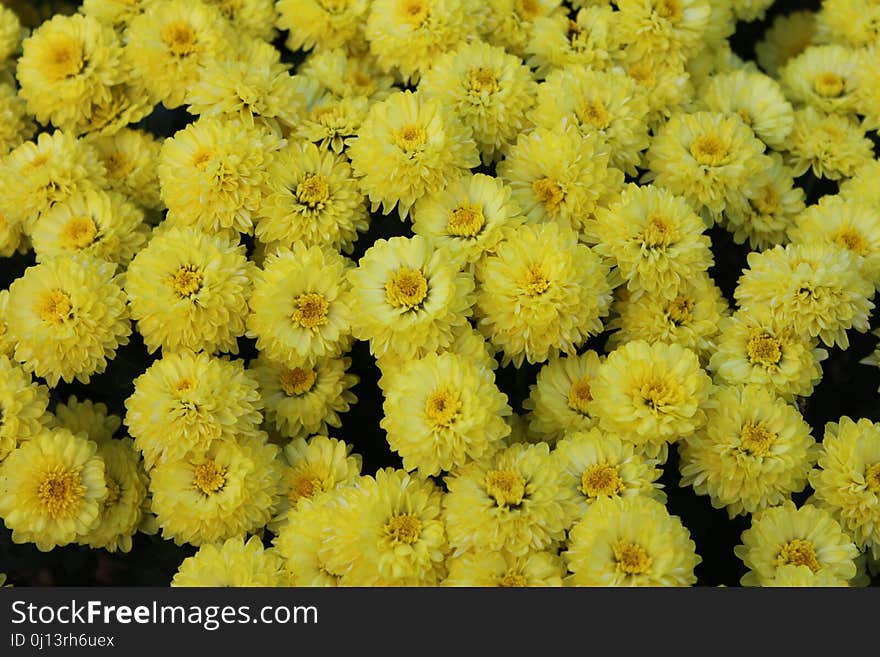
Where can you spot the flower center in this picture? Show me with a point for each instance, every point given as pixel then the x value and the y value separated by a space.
pixel 59 491
pixel 64 59
pixel 79 232
pixel 55 307
pixel 643 74
pixel 850 238
pixel 631 558
pixel 113 492
pixel 549 192
pixel 186 282
pixel 594 113
pixel 180 38
pixel 670 9
pixel 403 529
pixel 580 396
pixel 872 478
pixel 466 221
pixel 410 137
pixel 512 580
pixel 201 158
pixel 528 9
pixel 313 191
pixel 303 485
pixel 755 440
pixel 764 349
pixel 482 80
pixel 334 6
pixel 709 150
pixel 117 165
pixel 209 478
pixel 680 310
pixel 362 82
pixel 767 201
pixel 535 282
pixel 442 407
pixel 657 394
pixel 829 85
pixel 506 487
pixel 798 553
pixel 296 381
pixel 407 288
pixel 310 310
pixel 601 480
pixel 658 232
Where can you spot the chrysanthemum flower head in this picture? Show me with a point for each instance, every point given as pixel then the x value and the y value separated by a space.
pixel 665 82
pixel 867 94
pixel 674 28
pixel 321 24
pixel 409 145
pixel 17 125
pixel 23 405
pixel 854 23
pixel 834 146
pixel 788 36
pixel 862 186
pixel 52 489
pixel 10 33
pixel 792 576
pixel 234 562
pixel 630 541
pixel 256 18
pixel 585 40
pixel 90 418
pixel 824 77
pixel 347 75
pixel 542 293
pixel 510 23
pixel 328 121
pixel 503 569
pixel 129 158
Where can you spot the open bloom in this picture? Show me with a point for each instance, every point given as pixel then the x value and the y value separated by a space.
pixel 235 562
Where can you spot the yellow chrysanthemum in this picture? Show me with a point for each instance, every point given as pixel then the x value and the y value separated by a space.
pixel 482 568
pixel 665 82
pixel 792 576
pixel 541 293
pixel 411 298
pixel 511 23
pixel 10 34
pixel 301 307
pixel 514 501
pixel 185 403
pixel 785 535
pixel 467 218
pixel 346 75
pixel 255 18
pixel 321 23
pixel 834 146
pixel 52 489
pixel 114 13
pixel 233 563
pixel 867 99
pixel 228 490
pixel 560 400
pixel 654 238
pixel 88 417
pixel 409 146
pixel 854 23
pixel 787 37
pixel 23 405
pixel 816 289
pixel 329 121
pixel 586 40
pixel 441 411
pixel 17 126
pixel 314 201
pixel 847 480
pixel 560 175
pixel 751 10
pixel 130 157
pixel 674 28
pixel 189 290
pixel 823 77
pixel 68 316
pixel 630 541
pixel 488 89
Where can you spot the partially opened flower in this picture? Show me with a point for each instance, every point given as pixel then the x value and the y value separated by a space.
pixel 511 23
pixel 675 29
pixel 788 36
pixel 234 562
pixel 90 418
pixel 584 40
pixel 130 157
pixel 321 23
pixel 485 568
pixel 347 75
pixel 255 18
pixel 833 146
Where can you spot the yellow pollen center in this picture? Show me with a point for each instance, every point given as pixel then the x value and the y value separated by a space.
pixel 594 113
pixel 407 288
pixel 512 580
pixel 442 407
pixel 117 165
pixel 798 552
pixel 310 310
pixel 55 307
pixel 755 440
pixel 180 38
pixel 65 59
pixel 296 381
pixel 528 9
pixel 631 558
pixel 643 74
pixel 184 385
pixel 79 232
pixel 872 478
pixel 506 487
pixel 466 221
pixel 208 478
pixel 113 492
pixel 580 396
pixel 303 485
pixel 850 238
pixel 709 150
pixel 680 310
pixel 767 201
pixel 829 85
pixel 201 158
pixel 535 282
pixel 549 192
pixel 313 191
pixel 764 349
pixel 403 529
pixel 410 138
pixel 334 6
pixel 657 233
pixel 657 394
pixel 482 80
pixel 601 480
pixel 59 491
pixel 186 282
pixel 670 9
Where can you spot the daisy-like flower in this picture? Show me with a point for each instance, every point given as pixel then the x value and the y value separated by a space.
pixel 482 568
pixel 665 82
pixel 303 399
pixel 630 541
pixel 346 75
pixel 255 18
pixel 328 121
pixel 211 495
pixel 756 98
pixel 757 348
pixel 690 318
pixel 488 89
pixel 467 218
pixel 412 298
pixel 409 146
pixel 791 576
pixel 235 562
pixel 541 293
pixel 300 539
pixel 129 158
pixel 167 44
pixel 608 103
pixel 654 238
pixel 511 23
pixel 787 37
pixel 185 403
pixel 598 466
pixel 68 316
pixel 823 77
pixel 88 417
pixel 816 289
pixel 673 27
pixel 52 489
pixel 847 480
pixel 126 102
pixel 189 290
pixel 560 41
pixel 855 23
pixel 314 201
pixel 94 223
pixel 785 535
pixel 754 452
pixel 442 411
pixel 834 146
pixel 560 175
pixel 23 405
pixel 321 24
pixel 214 173
pixel 300 307
pixel 514 501
pixel 709 158
pixel 115 13
pixel 652 394
pixel 389 532
pixel 17 126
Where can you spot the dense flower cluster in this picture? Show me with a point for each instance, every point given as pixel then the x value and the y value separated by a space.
pixel 547 179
